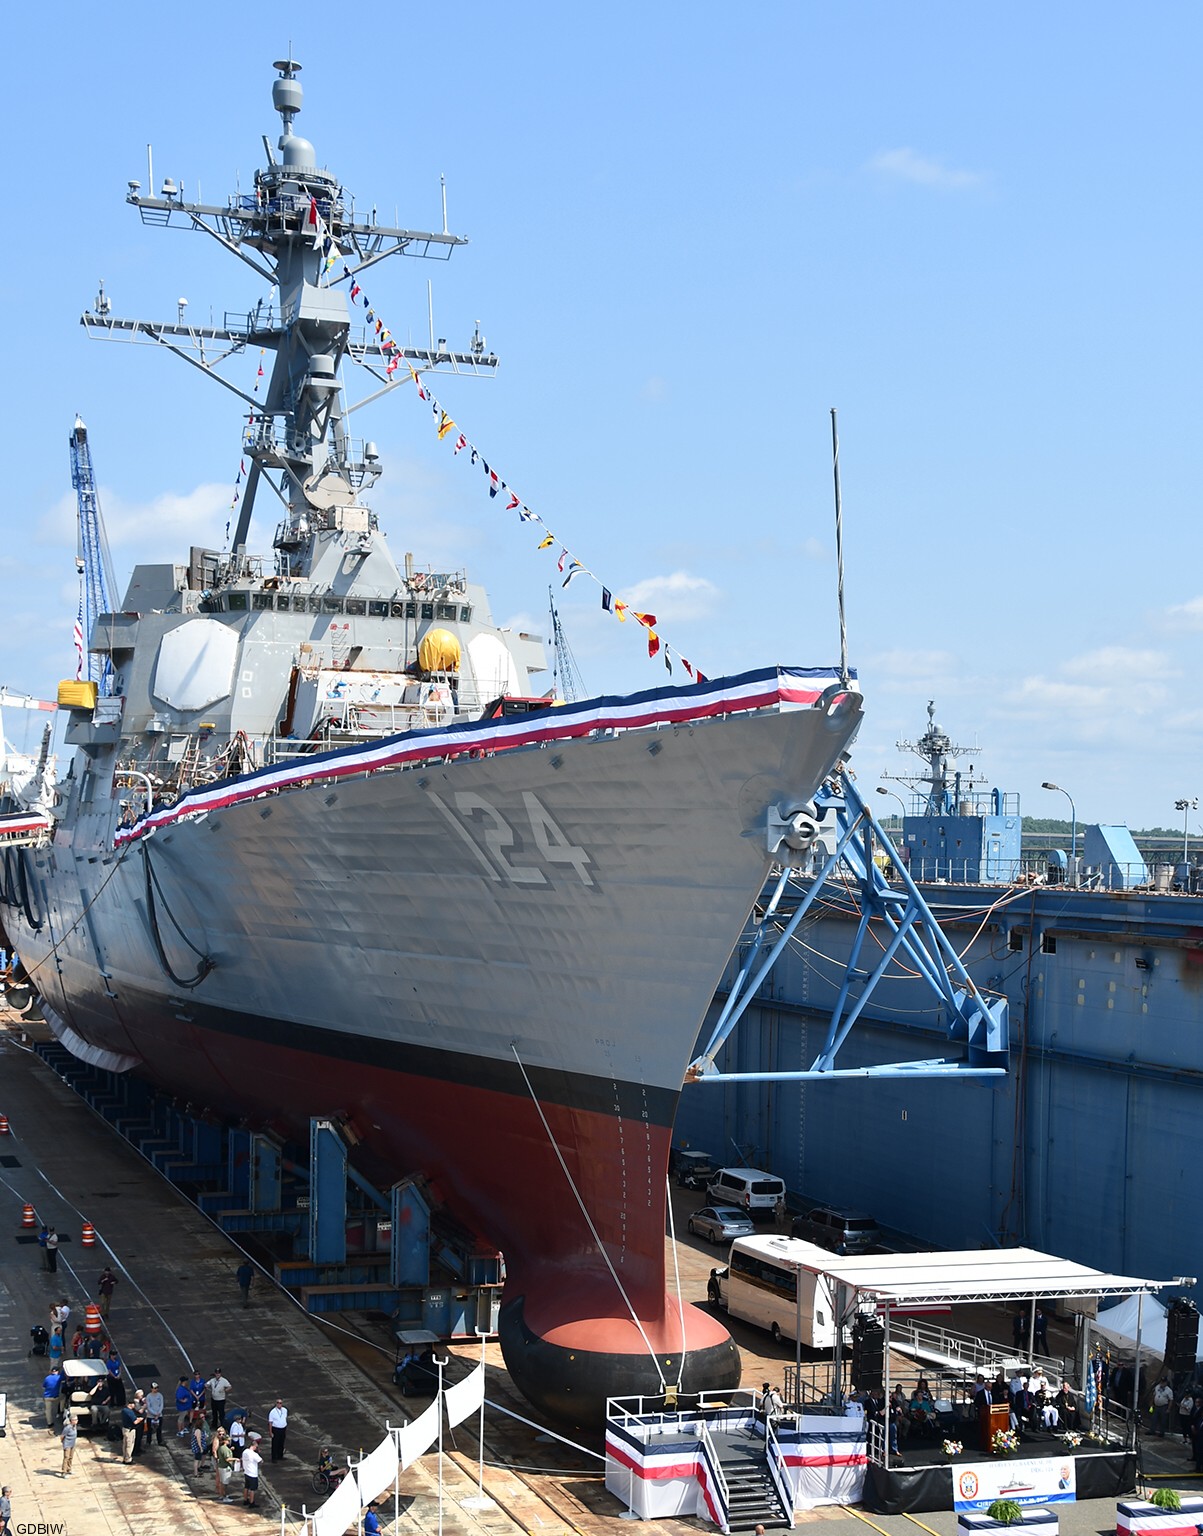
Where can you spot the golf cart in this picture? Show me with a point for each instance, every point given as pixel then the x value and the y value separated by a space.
pixel 694 1170
pixel 82 1376
pixel 414 1370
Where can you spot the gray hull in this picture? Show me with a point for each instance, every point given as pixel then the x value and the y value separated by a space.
pixel 467 961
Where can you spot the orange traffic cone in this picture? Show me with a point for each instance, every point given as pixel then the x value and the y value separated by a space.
pixel 3 1125
pixel 88 1236
pixel 92 1318
pixel 28 1217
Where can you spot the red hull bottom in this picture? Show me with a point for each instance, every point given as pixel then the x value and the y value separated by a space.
pixel 579 1324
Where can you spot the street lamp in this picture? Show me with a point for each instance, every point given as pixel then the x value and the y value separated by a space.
pixel 1073 835
pixel 881 790
pixel 1186 807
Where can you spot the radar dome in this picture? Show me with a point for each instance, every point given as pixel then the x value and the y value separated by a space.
pixel 297 153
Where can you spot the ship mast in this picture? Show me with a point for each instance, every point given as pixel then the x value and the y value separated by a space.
pixel 295 434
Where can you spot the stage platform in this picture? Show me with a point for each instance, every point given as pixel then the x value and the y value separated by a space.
pixel 922 1479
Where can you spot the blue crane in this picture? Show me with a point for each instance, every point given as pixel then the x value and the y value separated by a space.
pixel 92 558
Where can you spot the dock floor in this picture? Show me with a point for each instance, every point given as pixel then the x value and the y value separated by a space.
pixel 177 1307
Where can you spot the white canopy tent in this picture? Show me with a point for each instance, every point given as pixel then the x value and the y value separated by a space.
pixel 977 1275
pixel 1118 1324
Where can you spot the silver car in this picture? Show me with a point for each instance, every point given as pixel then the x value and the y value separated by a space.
pixel 720 1223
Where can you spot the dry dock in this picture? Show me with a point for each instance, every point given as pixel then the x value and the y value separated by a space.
pixel 177 1307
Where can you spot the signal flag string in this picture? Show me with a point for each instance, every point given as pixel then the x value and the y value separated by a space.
pixel 567 564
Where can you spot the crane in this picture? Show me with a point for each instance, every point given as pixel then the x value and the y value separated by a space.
pixel 565 675
pixel 92 560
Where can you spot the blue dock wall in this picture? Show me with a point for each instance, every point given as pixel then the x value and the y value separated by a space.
pixel 1090 1147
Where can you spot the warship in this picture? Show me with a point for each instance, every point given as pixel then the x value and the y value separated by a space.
pixel 324 847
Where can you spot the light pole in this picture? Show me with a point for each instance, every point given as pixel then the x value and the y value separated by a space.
pixel 1073 835
pixel 1186 807
pixel 882 790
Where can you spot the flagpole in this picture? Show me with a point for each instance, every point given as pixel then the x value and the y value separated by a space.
pixel 397 1482
pixel 480 1438
pixel 440 1361
pixel 839 548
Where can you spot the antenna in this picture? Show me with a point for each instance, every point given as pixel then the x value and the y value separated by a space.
pixel 443 184
pixel 839 549
pixel 430 310
pixel 150 171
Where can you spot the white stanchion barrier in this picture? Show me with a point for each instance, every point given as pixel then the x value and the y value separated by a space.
pixel 465 1397
pixel 340 1510
pixel 378 1470
pixel 417 1438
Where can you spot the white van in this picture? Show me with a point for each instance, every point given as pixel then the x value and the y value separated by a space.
pixel 751 1188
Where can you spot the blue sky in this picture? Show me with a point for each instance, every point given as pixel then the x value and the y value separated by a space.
pixel 974 232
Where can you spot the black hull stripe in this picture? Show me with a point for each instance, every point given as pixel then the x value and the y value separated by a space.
pixel 577 1091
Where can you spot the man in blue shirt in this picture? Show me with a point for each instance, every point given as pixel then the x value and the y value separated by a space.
pixel 183 1408
pixel 371 1521
pixel 51 1387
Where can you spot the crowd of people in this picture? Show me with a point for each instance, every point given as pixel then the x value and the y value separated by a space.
pixel 216 1430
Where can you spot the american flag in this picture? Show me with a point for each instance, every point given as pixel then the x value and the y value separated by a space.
pixel 79 645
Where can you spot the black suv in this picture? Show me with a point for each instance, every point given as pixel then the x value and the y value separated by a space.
pixel 833 1227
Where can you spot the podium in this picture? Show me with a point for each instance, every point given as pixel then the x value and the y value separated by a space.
pixel 992 1416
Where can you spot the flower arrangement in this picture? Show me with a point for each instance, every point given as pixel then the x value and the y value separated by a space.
pixel 1003 1442
pixel 953 1447
pixel 1005 1511
pixel 1166 1498
pixel 1072 1438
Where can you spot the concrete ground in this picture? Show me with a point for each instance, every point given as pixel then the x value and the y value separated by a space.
pixel 177 1306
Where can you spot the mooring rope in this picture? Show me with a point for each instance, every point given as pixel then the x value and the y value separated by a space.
pixel 588 1219
pixel 672 1232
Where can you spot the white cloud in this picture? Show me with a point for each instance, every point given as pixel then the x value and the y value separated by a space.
pixel 674 599
pixel 161 529
pixel 1044 693
pixel 1118 665
pixel 1188 615
pixel 905 165
pixel 914 667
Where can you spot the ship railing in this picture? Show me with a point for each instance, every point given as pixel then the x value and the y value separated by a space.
pixel 251 322
pixel 1039 870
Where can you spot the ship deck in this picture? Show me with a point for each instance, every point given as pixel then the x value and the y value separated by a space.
pixel 178 1305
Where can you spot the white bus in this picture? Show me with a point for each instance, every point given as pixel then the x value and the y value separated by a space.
pixel 767 1283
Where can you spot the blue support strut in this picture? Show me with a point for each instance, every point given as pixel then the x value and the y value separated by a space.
pixel 978 1024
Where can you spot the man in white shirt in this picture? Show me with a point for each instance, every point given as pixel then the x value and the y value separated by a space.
pixel 278 1421
pixel 251 1462
pixel 218 1389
